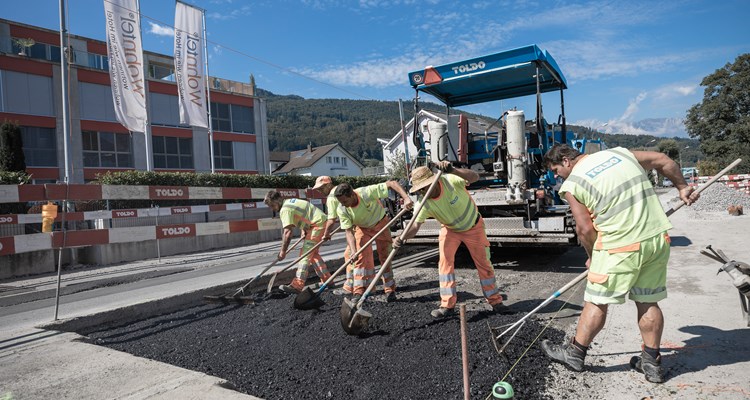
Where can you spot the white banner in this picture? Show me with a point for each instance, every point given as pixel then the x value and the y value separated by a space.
pixel 125 53
pixel 189 66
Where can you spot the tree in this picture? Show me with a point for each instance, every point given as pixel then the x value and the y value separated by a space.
pixel 397 168
pixel 722 120
pixel 668 147
pixel 11 148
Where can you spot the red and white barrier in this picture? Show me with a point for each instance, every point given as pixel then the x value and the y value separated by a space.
pixel 47 241
pixel 24 193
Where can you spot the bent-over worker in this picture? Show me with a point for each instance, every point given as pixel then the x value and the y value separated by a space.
pixel 324 185
pixel 311 220
pixel 362 215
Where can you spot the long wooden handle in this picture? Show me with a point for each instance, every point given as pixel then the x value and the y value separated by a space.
pixel 307 253
pixel 242 289
pixel 361 249
pixel 388 261
pixel 709 183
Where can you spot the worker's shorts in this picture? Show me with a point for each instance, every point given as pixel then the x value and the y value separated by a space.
pixel 639 270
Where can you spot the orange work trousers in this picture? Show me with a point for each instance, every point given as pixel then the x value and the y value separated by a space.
pixel 363 268
pixel 476 241
pixel 314 236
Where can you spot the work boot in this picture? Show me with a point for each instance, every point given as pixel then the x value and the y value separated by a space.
pixel 341 292
pixel 649 366
pixel 501 308
pixel 441 312
pixel 566 354
pixel 390 297
pixel 289 289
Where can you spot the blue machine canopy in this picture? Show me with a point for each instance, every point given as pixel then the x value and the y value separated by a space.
pixel 498 76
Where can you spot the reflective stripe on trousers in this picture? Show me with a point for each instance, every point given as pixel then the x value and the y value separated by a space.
pixel 314 236
pixel 363 270
pixel 476 241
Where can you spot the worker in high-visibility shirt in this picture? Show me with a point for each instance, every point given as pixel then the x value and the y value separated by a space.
pixel 362 215
pixel 452 206
pixel 622 226
pixel 311 220
pixel 324 185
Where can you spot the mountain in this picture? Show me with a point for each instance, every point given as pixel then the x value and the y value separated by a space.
pixel 294 122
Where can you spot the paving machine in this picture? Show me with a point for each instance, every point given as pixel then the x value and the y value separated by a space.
pixel 516 194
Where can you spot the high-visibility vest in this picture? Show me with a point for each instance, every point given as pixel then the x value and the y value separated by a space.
pixel 301 214
pixel 617 192
pixel 332 205
pixel 369 211
pixel 454 208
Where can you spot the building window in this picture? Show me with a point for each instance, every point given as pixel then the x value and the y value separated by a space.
pixel 231 118
pixel 343 161
pixel 107 150
pixel 223 158
pixel 162 72
pixel 328 159
pixel 336 160
pixel 172 152
pixel 39 146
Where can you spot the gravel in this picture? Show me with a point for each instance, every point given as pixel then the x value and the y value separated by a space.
pixel 718 197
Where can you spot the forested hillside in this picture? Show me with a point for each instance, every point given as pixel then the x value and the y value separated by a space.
pixel 294 122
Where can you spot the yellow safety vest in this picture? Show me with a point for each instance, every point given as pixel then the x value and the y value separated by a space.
pixel 332 205
pixel 369 211
pixel 301 214
pixel 617 192
pixel 454 208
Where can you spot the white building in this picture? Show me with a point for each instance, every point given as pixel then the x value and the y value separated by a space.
pixel 331 160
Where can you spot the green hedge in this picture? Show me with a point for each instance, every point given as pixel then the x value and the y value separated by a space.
pixel 14 178
pixel 226 180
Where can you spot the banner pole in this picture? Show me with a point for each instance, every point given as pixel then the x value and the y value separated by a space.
pixel 208 93
pixel 146 123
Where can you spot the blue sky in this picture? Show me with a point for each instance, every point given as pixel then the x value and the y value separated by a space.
pixel 625 61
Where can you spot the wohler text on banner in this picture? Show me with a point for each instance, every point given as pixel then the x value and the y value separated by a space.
pixel 125 53
pixel 188 65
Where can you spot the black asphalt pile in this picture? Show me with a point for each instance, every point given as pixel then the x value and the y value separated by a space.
pixel 273 351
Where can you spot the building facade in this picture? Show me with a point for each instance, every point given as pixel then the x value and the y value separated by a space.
pixel 31 96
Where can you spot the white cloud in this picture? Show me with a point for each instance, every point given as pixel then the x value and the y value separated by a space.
pixel 675 91
pixel 160 30
pixel 231 14
pixel 633 107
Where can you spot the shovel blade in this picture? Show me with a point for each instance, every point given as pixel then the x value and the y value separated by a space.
pixel 353 320
pixel 308 300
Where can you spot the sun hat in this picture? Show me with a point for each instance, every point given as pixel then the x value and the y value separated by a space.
pixel 322 180
pixel 421 177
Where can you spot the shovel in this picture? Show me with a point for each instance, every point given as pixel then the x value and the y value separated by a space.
pixel 501 342
pixel 354 319
pixel 300 258
pixel 236 298
pixel 307 300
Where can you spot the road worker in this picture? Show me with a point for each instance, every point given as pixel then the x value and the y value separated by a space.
pixel 362 215
pixel 324 185
pixel 623 228
pixel 311 221
pixel 452 206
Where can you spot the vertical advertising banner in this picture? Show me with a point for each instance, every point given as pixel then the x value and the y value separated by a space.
pixel 189 65
pixel 125 53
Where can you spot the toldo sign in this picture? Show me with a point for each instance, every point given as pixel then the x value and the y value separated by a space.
pixel 180 210
pixel 168 192
pixel 124 213
pixel 173 231
pixel 7 219
pixel 288 193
